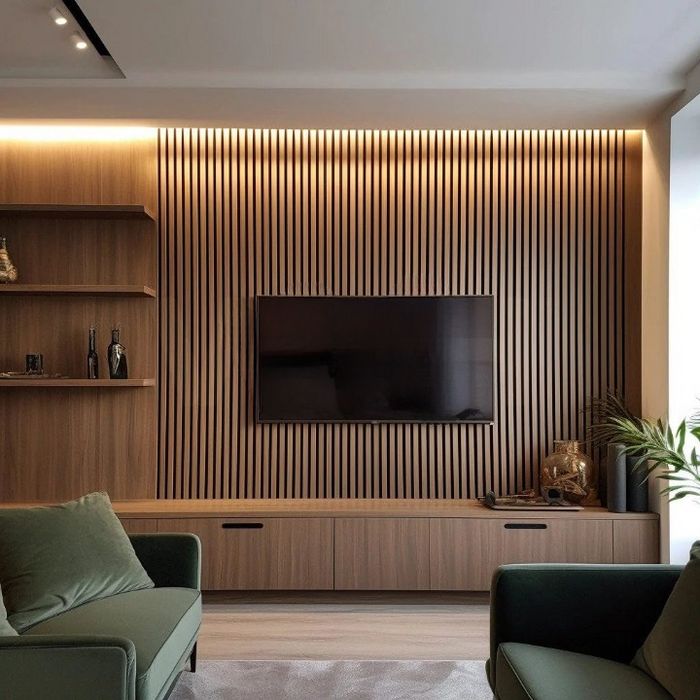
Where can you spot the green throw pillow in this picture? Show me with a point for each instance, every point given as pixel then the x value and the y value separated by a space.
pixel 54 558
pixel 671 652
pixel 6 629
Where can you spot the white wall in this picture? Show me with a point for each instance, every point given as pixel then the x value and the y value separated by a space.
pixel 667 387
pixel 684 285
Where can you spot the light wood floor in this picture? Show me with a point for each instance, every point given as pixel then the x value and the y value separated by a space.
pixel 344 626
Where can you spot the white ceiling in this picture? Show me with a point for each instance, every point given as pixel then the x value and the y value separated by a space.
pixel 391 63
pixel 32 46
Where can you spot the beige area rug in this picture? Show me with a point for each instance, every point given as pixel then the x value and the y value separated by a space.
pixel 326 680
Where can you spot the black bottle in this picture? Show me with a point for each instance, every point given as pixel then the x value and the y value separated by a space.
pixel 92 363
pixel 116 358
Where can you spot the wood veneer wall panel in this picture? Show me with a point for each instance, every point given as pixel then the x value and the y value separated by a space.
pixel 58 444
pixel 544 220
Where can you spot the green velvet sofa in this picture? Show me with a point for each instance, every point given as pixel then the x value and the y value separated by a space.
pixel 570 631
pixel 130 646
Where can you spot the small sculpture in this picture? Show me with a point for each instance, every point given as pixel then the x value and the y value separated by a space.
pixel 116 358
pixel 8 272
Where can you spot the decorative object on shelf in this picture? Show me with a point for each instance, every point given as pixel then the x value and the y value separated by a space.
pixel 8 272
pixel 653 445
pixel 34 363
pixel 571 472
pixel 92 361
pixel 637 485
pixel 616 478
pixel 116 358
pixel 528 500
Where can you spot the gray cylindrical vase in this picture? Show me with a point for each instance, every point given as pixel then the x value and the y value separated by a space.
pixel 616 468
pixel 603 481
pixel 637 487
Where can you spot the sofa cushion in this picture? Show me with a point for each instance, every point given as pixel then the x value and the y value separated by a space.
pixel 671 652
pixel 162 623
pixel 55 558
pixel 6 629
pixel 527 672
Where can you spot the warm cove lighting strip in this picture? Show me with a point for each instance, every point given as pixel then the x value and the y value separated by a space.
pixel 48 133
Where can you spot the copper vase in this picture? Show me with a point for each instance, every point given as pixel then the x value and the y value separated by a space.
pixel 571 472
pixel 8 272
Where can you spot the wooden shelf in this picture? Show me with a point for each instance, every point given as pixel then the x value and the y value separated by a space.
pixel 132 212
pixel 89 290
pixel 75 383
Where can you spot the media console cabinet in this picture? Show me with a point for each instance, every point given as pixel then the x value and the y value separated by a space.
pixel 392 544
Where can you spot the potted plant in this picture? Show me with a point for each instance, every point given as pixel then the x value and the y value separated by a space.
pixel 654 444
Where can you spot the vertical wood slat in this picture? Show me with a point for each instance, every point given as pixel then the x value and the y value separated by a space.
pixel 546 221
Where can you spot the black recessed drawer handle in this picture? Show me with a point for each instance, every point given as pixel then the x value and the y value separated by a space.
pixel 525 526
pixel 242 526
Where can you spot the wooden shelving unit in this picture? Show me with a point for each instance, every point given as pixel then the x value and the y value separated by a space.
pixel 71 383
pixel 89 290
pixel 76 211
pixel 81 222
pixel 127 213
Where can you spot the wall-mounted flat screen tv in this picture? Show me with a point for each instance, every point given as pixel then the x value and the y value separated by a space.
pixel 374 359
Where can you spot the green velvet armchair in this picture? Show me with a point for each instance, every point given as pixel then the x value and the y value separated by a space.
pixel 130 646
pixel 570 631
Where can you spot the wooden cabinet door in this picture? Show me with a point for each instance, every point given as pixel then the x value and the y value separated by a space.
pixel 262 553
pixel 139 526
pixel 636 541
pixel 461 556
pixel 378 554
pixel 464 553
pixel 581 541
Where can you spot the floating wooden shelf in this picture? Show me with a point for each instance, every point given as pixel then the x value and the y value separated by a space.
pixel 76 211
pixel 75 383
pixel 89 290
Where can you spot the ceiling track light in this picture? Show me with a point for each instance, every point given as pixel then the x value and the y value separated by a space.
pixel 57 16
pixel 78 41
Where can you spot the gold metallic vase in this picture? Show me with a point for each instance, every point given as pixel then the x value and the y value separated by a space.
pixel 8 272
pixel 570 471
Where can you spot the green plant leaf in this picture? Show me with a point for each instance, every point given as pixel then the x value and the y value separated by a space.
pixel 654 445
pixel 680 434
pixel 677 495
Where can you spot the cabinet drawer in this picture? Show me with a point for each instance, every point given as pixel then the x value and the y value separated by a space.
pixel 464 553
pixel 382 554
pixel 262 553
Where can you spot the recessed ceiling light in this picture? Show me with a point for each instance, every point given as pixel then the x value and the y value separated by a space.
pixel 57 16
pixel 78 41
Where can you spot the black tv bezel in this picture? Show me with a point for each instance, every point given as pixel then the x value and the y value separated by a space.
pixel 371 421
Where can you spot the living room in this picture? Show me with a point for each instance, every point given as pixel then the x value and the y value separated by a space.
pixel 347 350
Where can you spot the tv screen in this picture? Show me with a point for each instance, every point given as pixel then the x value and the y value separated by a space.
pixel 374 359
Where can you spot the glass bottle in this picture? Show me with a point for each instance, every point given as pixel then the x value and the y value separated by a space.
pixel 116 358
pixel 92 361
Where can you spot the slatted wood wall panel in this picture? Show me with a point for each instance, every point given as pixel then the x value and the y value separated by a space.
pixel 544 220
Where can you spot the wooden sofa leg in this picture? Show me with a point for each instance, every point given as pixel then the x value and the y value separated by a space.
pixel 193 659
